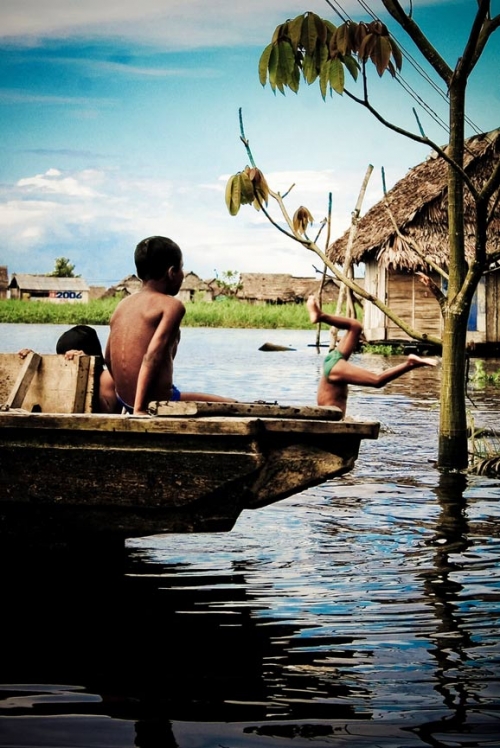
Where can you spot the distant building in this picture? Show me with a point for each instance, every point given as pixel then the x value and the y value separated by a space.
pixel 48 288
pixel 282 288
pixel 4 281
pixel 129 285
pixel 193 288
pixel 96 292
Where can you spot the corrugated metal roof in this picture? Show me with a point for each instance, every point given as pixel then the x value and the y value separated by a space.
pixel 27 282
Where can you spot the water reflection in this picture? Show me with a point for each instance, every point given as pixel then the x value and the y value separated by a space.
pixel 362 612
pixel 457 679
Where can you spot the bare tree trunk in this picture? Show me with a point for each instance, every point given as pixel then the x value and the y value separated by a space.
pixel 452 453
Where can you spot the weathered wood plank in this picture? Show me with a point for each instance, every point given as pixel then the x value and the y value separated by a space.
pixel 25 377
pixel 82 365
pixel 238 410
pixel 100 423
pixel 58 385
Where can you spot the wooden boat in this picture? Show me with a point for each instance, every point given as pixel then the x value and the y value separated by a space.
pixel 67 472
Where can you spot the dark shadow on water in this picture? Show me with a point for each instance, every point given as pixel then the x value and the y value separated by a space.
pixel 92 638
pixel 116 649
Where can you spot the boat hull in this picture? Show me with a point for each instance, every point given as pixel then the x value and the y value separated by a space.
pixel 78 474
pixel 68 473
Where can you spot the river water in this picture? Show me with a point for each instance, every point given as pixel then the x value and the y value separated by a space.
pixel 362 612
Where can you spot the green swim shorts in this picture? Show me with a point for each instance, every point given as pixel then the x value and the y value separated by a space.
pixel 332 358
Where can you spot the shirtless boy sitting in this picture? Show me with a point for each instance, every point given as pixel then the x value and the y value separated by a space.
pixel 144 331
pixel 338 373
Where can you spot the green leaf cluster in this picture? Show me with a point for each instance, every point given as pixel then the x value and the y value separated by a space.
pixel 311 47
pixel 247 187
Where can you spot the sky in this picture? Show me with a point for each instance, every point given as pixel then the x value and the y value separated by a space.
pixel 119 120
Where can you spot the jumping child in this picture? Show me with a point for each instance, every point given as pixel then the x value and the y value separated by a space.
pixel 338 373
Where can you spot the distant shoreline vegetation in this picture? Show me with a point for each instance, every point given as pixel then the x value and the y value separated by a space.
pixel 230 313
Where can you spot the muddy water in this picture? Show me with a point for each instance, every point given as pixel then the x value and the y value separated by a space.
pixel 363 612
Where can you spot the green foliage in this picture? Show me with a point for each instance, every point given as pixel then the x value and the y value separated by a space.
pixel 96 312
pixel 383 350
pixel 228 312
pixel 233 313
pixel 247 187
pixel 229 282
pixel 484 449
pixel 481 377
pixel 311 46
pixel 63 269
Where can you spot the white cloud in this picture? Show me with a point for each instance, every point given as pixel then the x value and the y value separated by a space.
pixel 72 213
pixel 177 23
pixel 10 96
pixel 54 182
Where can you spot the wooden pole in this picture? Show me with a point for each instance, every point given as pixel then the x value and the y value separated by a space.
pixel 347 266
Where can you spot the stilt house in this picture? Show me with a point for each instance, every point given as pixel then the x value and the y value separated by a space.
pixel 418 204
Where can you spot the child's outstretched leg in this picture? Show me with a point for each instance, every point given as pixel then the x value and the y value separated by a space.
pixel 353 327
pixel 347 373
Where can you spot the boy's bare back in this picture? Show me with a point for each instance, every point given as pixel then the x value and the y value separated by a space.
pixel 143 341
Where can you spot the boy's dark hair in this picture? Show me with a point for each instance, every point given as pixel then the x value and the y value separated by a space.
pixel 80 338
pixel 154 256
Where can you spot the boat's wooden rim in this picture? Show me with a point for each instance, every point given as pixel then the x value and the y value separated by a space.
pixel 241 409
pixel 203 425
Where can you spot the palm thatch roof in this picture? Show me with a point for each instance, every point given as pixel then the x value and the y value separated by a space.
pixel 129 285
pixel 275 287
pixel 193 282
pixel 418 203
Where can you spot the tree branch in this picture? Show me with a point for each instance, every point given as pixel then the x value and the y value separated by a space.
pixel 491 185
pixel 359 291
pixel 464 64
pixel 413 244
pixel 313 247
pixel 488 29
pixel 433 288
pixel 432 56
pixel 417 138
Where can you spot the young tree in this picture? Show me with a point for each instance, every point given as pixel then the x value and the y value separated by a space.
pixel 312 48
pixel 229 282
pixel 63 269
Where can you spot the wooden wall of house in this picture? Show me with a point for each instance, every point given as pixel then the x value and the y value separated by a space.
pixel 414 303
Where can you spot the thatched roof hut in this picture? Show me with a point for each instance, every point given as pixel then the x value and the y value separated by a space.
pixel 282 288
pixel 194 287
pixel 418 204
pixel 129 285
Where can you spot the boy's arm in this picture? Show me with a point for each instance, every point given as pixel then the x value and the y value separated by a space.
pixel 158 349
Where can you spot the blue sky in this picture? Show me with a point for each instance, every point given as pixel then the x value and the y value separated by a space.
pixel 120 120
